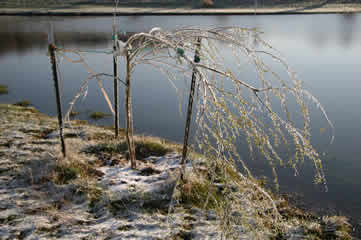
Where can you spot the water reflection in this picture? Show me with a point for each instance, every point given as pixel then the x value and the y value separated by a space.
pixel 223 19
pixel 20 43
pixel 23 42
pixel 343 28
pixel 25 32
pixel 347 29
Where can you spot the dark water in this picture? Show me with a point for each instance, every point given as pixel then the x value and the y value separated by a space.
pixel 323 49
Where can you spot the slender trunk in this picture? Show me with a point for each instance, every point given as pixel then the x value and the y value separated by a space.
pixel 58 99
pixel 128 109
pixel 190 108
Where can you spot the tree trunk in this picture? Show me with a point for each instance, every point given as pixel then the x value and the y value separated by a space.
pixel 128 109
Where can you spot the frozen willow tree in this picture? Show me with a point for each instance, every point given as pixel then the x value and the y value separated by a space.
pixel 228 106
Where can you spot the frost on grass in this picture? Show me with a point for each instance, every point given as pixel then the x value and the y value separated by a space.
pixel 90 196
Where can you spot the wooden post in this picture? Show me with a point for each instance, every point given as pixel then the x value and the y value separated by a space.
pixel 128 109
pixel 116 98
pixel 190 108
pixel 58 99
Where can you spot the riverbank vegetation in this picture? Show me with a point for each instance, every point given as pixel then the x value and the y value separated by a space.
pixel 4 89
pixel 94 115
pixel 92 193
pixel 23 103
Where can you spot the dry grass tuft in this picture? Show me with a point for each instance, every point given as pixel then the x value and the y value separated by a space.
pixel 74 166
pixel 77 169
pixel 144 147
pixel 23 103
pixel 150 146
pixel 4 89
pixel 196 191
pixel 99 115
pixel 73 114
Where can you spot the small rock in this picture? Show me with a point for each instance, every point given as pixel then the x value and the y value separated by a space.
pixel 195 211
pixel 237 214
pixel 8 215
pixel 211 215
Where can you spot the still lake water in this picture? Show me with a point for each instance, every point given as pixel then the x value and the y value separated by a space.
pixel 325 51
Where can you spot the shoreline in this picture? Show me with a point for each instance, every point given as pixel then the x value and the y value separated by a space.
pixel 138 11
pixel 95 181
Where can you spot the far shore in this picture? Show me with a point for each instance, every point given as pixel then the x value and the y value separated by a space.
pixel 90 10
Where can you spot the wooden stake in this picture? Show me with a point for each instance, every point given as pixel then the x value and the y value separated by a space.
pixel 128 109
pixel 190 108
pixel 116 98
pixel 58 99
